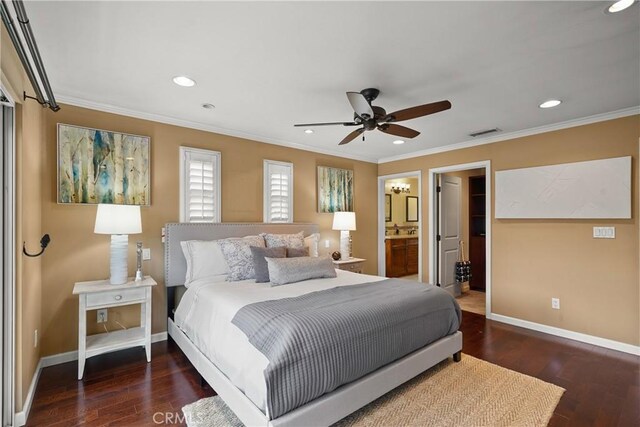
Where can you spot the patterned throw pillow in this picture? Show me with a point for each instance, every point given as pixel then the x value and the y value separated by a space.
pixel 288 240
pixel 260 264
pixel 237 254
pixel 291 270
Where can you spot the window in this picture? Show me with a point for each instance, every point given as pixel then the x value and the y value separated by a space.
pixel 199 185
pixel 278 191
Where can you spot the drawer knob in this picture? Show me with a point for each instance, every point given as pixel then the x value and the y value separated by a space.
pixel 118 297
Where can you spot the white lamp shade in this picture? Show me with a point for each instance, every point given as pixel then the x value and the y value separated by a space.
pixel 344 221
pixel 118 219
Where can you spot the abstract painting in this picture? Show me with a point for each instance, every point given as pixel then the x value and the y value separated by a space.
pixel 99 166
pixel 335 190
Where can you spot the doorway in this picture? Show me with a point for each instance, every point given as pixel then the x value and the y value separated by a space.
pixel 7 249
pixel 399 226
pixel 460 219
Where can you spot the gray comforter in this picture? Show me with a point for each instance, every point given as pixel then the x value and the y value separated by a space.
pixel 322 340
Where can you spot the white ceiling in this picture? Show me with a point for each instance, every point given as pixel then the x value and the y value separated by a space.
pixel 269 65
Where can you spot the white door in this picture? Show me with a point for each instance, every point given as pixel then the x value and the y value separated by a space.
pixel 449 232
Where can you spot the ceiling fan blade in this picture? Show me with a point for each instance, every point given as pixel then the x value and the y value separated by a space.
pixel 360 104
pixel 415 112
pixel 353 135
pixel 398 130
pixel 327 124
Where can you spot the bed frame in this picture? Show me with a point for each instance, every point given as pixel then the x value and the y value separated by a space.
pixel 328 408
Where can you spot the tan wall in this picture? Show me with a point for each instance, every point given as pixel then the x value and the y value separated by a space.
pixel 464 203
pixel 29 122
pixel 596 280
pixel 77 254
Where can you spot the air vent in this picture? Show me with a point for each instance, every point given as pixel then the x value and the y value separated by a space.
pixel 485 132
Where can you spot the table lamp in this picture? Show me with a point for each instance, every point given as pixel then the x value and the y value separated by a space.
pixel 119 221
pixel 344 221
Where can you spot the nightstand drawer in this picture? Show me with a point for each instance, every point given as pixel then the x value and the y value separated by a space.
pixel 115 297
pixel 355 267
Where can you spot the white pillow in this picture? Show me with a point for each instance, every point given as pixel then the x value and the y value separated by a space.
pixel 312 242
pixel 204 259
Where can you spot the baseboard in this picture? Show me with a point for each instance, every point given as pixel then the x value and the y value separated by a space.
pixel 564 333
pixel 20 418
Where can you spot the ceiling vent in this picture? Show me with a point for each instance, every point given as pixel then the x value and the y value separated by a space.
pixel 485 132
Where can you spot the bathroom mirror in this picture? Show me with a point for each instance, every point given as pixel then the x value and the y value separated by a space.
pixel 387 207
pixel 412 209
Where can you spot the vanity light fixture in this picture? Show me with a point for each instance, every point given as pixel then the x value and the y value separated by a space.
pixel 401 188
pixel 308 131
pixel 620 5
pixel 398 142
pixel 550 103
pixel 184 81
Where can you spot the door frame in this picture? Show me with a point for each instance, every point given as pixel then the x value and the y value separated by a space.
pixel 433 217
pixel 7 253
pixel 381 222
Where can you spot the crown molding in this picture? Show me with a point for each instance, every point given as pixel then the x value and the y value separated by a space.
pixel 107 108
pixel 517 134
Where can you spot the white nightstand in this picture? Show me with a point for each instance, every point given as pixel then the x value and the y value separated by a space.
pixel 352 264
pixel 101 294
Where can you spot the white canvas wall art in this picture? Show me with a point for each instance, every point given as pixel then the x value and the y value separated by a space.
pixel 583 190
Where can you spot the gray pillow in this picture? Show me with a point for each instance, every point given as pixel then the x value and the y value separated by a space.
pixel 260 265
pixel 297 252
pixel 238 256
pixel 291 270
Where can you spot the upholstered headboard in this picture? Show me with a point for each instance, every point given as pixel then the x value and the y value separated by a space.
pixel 174 261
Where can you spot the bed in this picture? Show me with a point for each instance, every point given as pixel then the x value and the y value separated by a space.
pixel 234 368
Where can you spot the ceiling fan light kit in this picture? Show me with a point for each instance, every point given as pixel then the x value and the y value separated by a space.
pixel 372 117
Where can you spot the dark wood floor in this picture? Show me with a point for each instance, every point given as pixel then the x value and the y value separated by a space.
pixel 603 386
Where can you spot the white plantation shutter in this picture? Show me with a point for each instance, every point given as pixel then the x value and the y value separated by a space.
pixel 278 191
pixel 199 185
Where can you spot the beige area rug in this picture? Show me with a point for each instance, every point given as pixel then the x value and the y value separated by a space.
pixel 469 393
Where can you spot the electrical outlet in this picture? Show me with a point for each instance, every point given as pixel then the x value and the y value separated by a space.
pixel 35 338
pixel 555 303
pixel 102 315
pixel 146 254
pixel 327 244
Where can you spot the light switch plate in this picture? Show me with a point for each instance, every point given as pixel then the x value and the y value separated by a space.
pixel 146 254
pixel 604 232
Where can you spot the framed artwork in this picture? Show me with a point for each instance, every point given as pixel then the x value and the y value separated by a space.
pixel 335 190
pixel 387 207
pixel 99 166
pixel 412 209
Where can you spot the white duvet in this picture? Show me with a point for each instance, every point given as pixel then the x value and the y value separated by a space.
pixel 208 306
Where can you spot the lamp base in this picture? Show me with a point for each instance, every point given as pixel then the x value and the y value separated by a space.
pixel 119 246
pixel 344 245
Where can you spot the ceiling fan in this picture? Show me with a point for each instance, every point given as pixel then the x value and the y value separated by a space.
pixel 371 117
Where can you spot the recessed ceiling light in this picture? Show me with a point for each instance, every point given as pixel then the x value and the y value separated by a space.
pixel 208 106
pixel 550 103
pixel 184 81
pixel 620 5
pixel 308 131
pixel 398 142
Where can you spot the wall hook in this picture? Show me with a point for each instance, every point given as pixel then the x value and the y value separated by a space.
pixel 43 244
